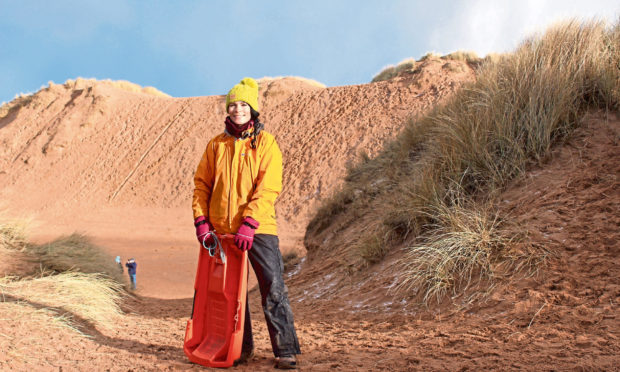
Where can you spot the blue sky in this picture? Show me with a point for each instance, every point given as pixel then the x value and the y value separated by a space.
pixel 200 47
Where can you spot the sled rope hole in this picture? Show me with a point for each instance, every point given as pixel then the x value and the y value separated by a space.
pixel 212 248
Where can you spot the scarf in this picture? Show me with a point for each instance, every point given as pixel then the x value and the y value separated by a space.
pixel 237 130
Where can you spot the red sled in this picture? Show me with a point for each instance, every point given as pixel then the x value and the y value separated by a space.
pixel 214 333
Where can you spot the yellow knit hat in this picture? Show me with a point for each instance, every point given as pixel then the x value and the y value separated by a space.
pixel 246 91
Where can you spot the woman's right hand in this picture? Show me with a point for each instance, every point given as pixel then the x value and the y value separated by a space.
pixel 203 226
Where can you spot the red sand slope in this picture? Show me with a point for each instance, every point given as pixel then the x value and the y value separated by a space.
pixel 103 165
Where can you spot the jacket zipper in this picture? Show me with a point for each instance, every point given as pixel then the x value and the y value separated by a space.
pixel 232 160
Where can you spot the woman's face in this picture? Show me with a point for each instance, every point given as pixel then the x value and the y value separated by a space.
pixel 239 112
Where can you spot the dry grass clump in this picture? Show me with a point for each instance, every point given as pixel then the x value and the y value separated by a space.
pixel 458 249
pixel 469 148
pixel 92 294
pixel 55 301
pixel 18 102
pixel 13 232
pixel 75 252
pixel 81 83
pixel 493 57
pixel 407 65
pixel 5 108
pixel 269 79
pixel 91 297
pixel 461 55
pixel 430 55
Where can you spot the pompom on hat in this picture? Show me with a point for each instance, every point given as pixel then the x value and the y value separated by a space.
pixel 246 91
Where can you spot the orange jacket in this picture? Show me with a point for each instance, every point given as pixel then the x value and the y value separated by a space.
pixel 234 181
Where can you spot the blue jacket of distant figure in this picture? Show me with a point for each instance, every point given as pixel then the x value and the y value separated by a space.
pixel 131 267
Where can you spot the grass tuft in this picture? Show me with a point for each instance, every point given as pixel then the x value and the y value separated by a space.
pixel 270 79
pixel 458 248
pixel 405 66
pixel 372 248
pixel 13 233
pixel 92 297
pixel 466 56
pixel 430 55
pixel 329 210
pixel 20 100
pixel 56 301
pixel 81 83
pixel 75 252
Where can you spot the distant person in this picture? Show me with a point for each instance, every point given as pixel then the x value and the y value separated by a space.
pixel 236 185
pixel 119 264
pixel 131 270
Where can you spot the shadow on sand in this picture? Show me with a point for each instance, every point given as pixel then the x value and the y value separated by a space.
pixel 162 352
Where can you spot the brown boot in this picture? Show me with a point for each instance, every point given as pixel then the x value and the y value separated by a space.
pixel 287 362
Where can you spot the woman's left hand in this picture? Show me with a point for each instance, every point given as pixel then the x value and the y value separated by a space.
pixel 245 235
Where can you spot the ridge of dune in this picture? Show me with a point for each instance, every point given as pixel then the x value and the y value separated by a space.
pixel 139 149
pixel 119 165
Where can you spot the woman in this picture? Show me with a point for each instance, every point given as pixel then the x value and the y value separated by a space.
pixel 236 185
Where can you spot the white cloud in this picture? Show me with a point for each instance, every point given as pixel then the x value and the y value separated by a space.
pixel 486 26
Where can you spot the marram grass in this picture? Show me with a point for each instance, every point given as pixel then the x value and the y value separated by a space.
pixel 91 297
pixel 75 252
pixel 465 151
pixel 13 232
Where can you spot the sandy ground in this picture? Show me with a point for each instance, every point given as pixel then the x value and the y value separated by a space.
pixel 131 195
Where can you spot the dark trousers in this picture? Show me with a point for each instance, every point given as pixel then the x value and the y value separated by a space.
pixel 266 261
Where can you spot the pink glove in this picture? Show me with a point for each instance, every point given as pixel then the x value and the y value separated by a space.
pixel 245 234
pixel 203 226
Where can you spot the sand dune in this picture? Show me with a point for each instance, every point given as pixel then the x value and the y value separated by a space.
pixel 118 165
